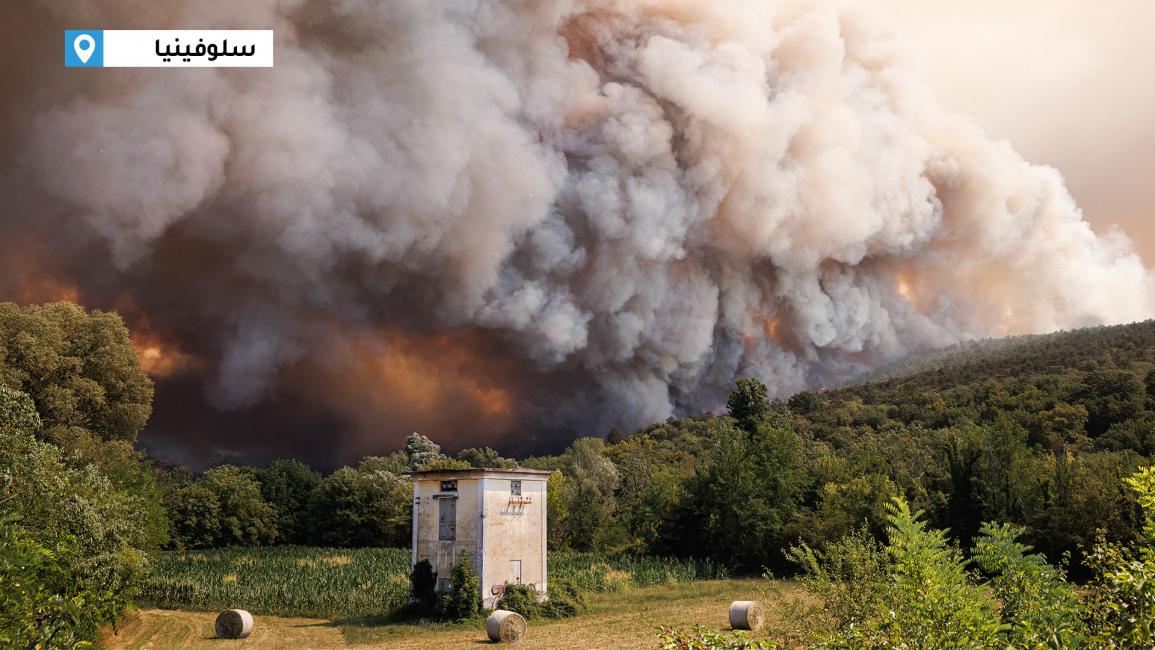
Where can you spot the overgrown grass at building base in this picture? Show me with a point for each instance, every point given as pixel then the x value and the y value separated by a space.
pixel 600 572
pixel 368 582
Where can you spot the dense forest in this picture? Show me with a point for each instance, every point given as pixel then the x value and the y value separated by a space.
pixel 1038 432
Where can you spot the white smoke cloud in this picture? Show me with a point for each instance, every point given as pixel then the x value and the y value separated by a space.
pixel 644 197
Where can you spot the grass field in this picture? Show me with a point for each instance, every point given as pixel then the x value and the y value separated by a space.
pixel 348 583
pixel 622 619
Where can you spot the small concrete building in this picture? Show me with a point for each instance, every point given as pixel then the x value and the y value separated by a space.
pixel 495 516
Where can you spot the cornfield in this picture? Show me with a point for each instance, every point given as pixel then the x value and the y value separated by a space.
pixel 347 583
pixel 284 581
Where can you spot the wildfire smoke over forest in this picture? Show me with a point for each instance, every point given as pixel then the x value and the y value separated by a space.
pixel 511 223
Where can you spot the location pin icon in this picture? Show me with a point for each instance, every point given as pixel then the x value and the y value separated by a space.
pixel 84 47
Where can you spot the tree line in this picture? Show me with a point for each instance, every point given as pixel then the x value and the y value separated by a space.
pixel 1037 432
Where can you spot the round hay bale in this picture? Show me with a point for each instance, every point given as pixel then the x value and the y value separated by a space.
pixel 746 615
pixel 505 626
pixel 234 624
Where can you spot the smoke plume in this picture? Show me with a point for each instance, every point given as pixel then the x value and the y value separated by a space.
pixel 511 222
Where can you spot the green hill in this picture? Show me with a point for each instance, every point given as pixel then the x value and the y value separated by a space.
pixel 1036 430
pixel 1041 383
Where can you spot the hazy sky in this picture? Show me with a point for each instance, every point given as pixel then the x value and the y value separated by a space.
pixel 1070 83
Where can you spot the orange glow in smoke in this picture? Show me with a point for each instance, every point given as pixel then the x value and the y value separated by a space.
pixel 771 327
pixel 903 286
pixel 157 359
pixel 444 385
pixel 435 373
pixel 43 290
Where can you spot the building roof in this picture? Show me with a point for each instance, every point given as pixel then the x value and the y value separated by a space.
pixel 479 472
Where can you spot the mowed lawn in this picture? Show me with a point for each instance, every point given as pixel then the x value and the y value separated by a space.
pixel 625 619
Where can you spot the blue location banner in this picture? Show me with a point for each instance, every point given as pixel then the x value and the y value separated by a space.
pixel 168 48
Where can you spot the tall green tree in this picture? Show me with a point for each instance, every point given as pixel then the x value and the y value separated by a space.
pixel 652 473
pixel 591 480
pixel 1110 398
pixel 738 507
pixel 245 518
pixel 485 457
pixel 79 368
pixel 286 485
pixel 421 451
pixel 395 463
pixel 129 470
pixel 748 404
pixel 195 516
pixel 351 509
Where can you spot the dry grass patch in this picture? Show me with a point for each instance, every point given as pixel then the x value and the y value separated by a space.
pixel 619 620
pixel 625 619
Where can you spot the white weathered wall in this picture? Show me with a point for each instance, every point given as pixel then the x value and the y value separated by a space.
pixel 514 532
pixel 443 554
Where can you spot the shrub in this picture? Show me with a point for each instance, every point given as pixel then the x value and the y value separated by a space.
pixel 1039 607
pixel 521 599
pixel 565 600
pixel 850 578
pixel 41 604
pixel 423 587
pixel 464 598
pixel 702 638
pixel 55 502
pixel 918 595
pixel 917 592
pixel 1122 598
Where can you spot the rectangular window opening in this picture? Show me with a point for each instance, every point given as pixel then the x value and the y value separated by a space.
pixel 449 486
pixel 515 488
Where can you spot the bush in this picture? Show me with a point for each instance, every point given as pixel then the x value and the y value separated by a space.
pixel 565 600
pixel 918 595
pixel 1040 609
pixel 464 598
pixel 1122 597
pixel 521 599
pixel 41 605
pixel 850 578
pixel 917 592
pixel 84 535
pixel 702 638
pixel 423 588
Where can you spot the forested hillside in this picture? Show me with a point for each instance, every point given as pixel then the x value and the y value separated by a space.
pixel 1121 347
pixel 1033 429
